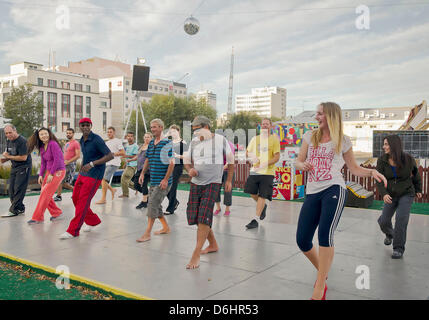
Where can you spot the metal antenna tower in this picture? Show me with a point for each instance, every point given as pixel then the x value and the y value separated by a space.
pixel 231 76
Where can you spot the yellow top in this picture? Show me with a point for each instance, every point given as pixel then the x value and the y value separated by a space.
pixel 264 149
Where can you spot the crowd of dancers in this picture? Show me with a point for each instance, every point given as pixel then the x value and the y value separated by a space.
pixel 154 169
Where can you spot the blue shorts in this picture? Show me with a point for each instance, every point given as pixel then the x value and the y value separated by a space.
pixel 323 210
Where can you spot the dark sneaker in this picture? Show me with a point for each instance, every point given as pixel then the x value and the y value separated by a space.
pixel 397 254
pixel 142 205
pixel 55 218
pixel 34 222
pixel 58 198
pixel 177 204
pixel 263 213
pixel 253 224
pixel 388 240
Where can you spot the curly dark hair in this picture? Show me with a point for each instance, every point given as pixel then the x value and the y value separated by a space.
pixel 35 142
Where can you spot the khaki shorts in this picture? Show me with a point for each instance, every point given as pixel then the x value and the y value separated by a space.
pixel 154 205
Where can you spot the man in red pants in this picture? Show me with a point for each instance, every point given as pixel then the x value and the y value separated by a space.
pixel 95 155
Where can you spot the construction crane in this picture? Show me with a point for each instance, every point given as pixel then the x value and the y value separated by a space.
pixel 231 76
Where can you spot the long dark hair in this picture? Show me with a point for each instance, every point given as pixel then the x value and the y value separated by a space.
pixel 35 142
pixel 397 153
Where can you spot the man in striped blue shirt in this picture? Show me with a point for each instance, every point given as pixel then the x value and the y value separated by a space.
pixel 160 163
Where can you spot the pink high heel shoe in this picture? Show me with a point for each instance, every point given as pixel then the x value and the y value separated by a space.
pixel 216 212
pixel 227 213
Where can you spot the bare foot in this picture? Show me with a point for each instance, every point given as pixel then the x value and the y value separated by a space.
pixel 210 249
pixel 113 193
pixel 143 238
pixel 163 231
pixel 101 202
pixel 194 263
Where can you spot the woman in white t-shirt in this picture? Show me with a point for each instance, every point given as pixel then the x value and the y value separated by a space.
pixel 323 154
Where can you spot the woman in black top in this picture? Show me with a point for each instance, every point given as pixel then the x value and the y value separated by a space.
pixel 403 184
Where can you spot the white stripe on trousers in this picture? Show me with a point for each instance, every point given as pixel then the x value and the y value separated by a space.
pixel 337 215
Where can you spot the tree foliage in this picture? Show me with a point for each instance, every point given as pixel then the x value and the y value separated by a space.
pixel 25 109
pixel 171 110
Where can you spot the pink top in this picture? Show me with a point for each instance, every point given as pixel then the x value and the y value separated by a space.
pixel 52 158
pixel 70 149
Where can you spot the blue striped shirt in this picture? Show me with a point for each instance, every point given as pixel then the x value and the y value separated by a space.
pixel 159 157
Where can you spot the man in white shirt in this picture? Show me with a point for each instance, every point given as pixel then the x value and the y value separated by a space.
pixel 116 147
pixel 204 163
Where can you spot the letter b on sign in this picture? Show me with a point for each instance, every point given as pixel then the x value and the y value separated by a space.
pixel 362 282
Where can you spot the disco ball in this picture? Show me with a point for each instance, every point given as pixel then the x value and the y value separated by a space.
pixel 191 26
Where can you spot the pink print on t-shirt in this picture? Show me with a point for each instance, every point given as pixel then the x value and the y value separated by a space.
pixel 321 159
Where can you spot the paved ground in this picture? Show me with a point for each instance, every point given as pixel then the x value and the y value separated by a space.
pixel 252 264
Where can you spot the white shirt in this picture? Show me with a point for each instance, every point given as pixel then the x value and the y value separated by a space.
pixel 208 158
pixel 114 145
pixel 327 164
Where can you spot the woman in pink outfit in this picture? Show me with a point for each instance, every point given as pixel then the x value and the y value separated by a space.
pixel 52 167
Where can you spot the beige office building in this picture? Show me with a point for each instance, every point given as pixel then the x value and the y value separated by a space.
pixel 266 102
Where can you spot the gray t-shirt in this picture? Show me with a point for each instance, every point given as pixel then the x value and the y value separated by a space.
pixel 207 157
pixel 327 164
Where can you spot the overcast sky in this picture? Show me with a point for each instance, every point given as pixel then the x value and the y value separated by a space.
pixel 311 48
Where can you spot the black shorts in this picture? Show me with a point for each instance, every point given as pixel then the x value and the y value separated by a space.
pixel 261 185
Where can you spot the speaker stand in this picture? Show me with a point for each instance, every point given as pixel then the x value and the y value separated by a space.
pixel 136 106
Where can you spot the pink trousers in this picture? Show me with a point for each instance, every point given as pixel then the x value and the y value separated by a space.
pixel 46 194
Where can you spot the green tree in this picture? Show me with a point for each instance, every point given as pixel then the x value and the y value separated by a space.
pixel 25 109
pixel 171 110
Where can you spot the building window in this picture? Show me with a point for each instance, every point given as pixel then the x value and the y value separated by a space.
pixel 52 111
pixel 78 112
pixel 40 82
pixel 40 96
pixel 88 107
pixel 150 87
pixel 88 88
pixel 156 87
pixel 66 85
pixel 166 89
pixel 104 121
pixel 127 83
pixel 103 104
pixel 52 83
pixel 65 126
pixel 78 87
pixel 65 106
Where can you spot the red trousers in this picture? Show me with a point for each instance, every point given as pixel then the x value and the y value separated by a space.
pixel 45 199
pixel 83 192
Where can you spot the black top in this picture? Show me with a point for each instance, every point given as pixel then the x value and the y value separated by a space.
pixel 18 147
pixel 400 182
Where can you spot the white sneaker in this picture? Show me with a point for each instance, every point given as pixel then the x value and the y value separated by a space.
pixel 86 228
pixel 65 236
pixel 9 214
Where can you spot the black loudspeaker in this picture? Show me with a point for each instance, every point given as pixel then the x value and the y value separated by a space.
pixel 140 78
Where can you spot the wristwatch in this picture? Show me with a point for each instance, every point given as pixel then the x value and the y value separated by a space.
pixel 91 164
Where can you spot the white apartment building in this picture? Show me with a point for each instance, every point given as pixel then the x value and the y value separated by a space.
pixel 115 82
pixel 208 96
pixel 266 102
pixel 66 97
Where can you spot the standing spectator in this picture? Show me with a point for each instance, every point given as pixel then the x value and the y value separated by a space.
pixel 264 152
pixel 95 155
pixel 403 184
pixel 204 163
pixel 227 196
pixel 179 147
pixel 130 151
pixel 141 158
pixel 71 154
pixel 116 147
pixel 160 163
pixel 16 153
pixel 53 169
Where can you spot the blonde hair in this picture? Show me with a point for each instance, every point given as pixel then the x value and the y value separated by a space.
pixel 333 116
